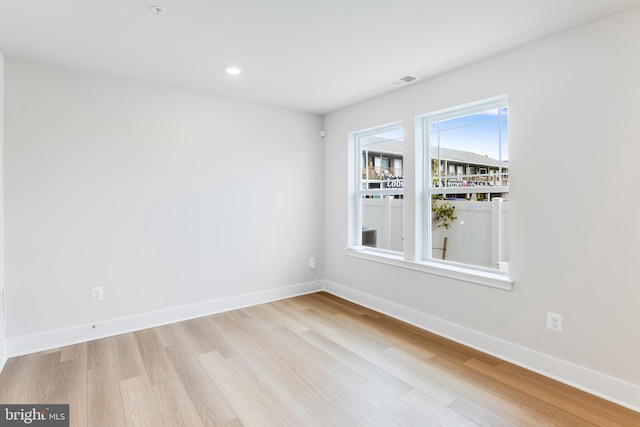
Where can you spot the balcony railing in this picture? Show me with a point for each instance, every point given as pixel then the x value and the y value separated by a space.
pixel 474 180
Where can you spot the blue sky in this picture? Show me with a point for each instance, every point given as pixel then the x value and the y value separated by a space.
pixel 478 133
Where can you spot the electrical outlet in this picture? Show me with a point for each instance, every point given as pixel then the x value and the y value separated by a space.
pixel 97 294
pixel 312 263
pixel 554 321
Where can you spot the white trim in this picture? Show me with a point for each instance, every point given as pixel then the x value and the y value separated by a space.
pixel 467 109
pixel 469 190
pixel 613 389
pixel 3 323
pixel 498 280
pixel 3 350
pixel 77 334
pixel 356 192
pixel 425 120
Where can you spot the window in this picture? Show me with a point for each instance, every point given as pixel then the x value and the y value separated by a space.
pixel 457 176
pixel 379 188
pixel 466 186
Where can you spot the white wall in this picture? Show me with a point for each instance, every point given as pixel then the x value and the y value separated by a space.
pixel 574 107
pixel 164 197
pixel 3 350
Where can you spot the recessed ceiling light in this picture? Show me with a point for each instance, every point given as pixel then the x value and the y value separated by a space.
pixel 158 10
pixel 234 71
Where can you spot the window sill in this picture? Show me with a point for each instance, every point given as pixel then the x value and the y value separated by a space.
pixel 485 278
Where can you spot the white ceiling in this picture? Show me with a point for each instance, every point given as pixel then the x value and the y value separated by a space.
pixel 310 55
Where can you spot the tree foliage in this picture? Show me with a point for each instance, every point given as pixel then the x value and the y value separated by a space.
pixel 442 212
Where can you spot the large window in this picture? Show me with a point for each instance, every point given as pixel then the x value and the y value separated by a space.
pixel 380 188
pixel 466 188
pixel 457 189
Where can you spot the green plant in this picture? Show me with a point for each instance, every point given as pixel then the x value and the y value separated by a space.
pixel 442 212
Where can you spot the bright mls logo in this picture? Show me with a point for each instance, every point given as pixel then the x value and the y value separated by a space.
pixel 34 415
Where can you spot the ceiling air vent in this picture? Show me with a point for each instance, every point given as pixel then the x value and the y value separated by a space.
pixel 402 81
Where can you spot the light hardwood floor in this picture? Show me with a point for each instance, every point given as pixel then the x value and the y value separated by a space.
pixel 306 361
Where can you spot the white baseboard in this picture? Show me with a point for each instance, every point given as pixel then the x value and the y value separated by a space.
pixel 3 350
pixel 57 338
pixel 615 390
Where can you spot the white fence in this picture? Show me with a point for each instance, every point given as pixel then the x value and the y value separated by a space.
pixel 385 217
pixel 478 236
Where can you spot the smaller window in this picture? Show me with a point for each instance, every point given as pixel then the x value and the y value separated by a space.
pixel 379 188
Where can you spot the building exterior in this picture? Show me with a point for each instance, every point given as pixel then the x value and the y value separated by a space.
pixel 382 167
pixel 457 168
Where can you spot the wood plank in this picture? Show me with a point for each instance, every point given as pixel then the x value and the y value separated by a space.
pixel 315 301
pixel 221 342
pixel 426 340
pixel 248 407
pixel 368 370
pixel 278 318
pixel 273 394
pixel 436 410
pixel 127 357
pixel 342 373
pixel 327 382
pixel 169 335
pixel 195 338
pixel 203 336
pixel 623 416
pixel 42 379
pixel 399 411
pixel 233 423
pixel 506 402
pixel 553 400
pixel 423 383
pixel 210 404
pixel 175 406
pixel 12 378
pixel 295 303
pixel 105 404
pixel 479 414
pixel 376 327
pixel 307 318
pixel 72 352
pixel 50 381
pixel 331 305
pixel 75 386
pixel 309 393
pixel 140 407
pixel 157 365
pixel 237 315
pixel 359 309
pixel 249 337
pixel 286 369
pixel 264 317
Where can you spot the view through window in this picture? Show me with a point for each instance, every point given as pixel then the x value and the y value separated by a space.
pixel 468 185
pixel 463 155
pixel 381 187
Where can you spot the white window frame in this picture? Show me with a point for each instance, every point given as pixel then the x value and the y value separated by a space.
pixel 428 191
pixel 356 235
pixel 413 257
